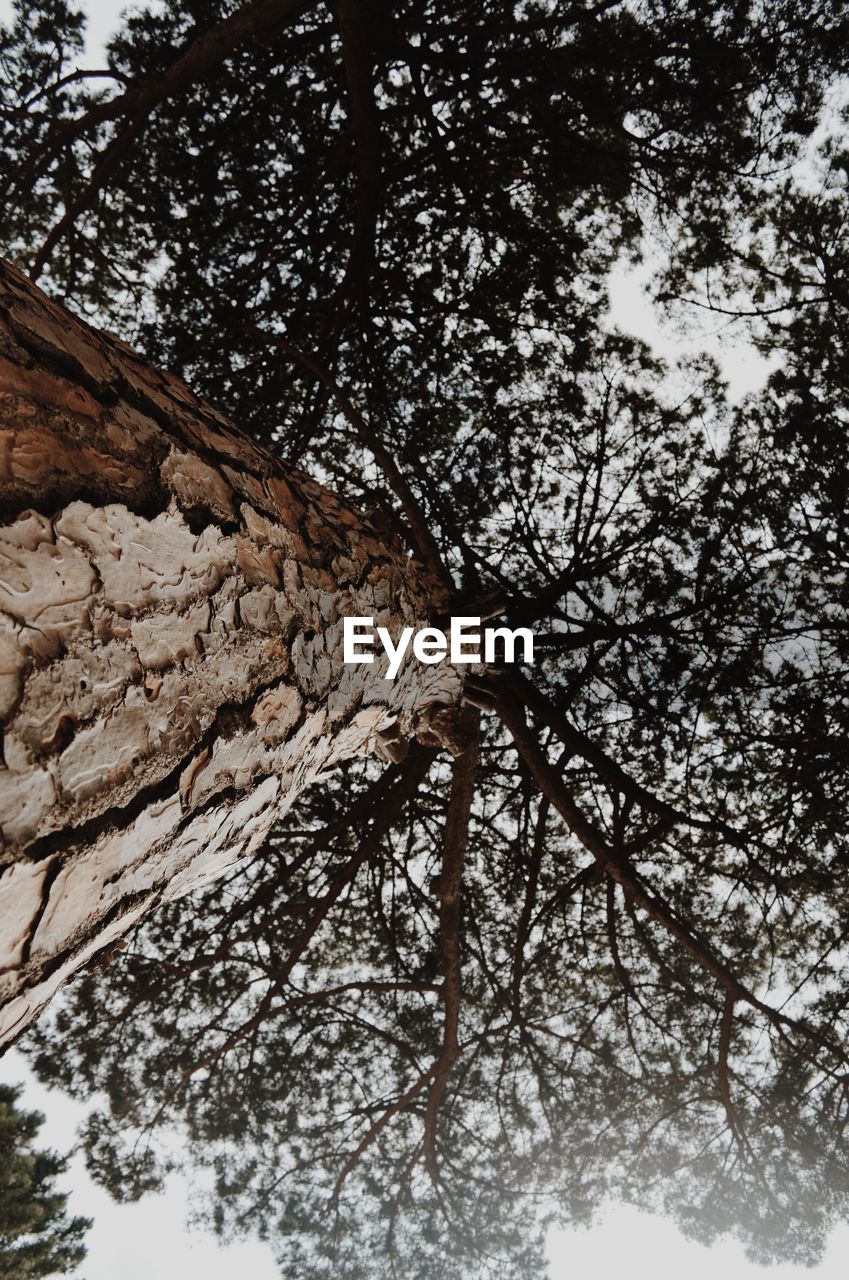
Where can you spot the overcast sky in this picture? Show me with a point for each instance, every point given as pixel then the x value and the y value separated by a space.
pixel 149 1239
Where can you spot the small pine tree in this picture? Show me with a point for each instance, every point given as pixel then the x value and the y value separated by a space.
pixel 36 1236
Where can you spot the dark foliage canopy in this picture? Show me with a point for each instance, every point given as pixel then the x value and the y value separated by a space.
pixel 604 952
pixel 37 1238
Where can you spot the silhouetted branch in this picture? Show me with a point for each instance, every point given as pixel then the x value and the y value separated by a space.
pixel 618 867
pixel 455 842
pixel 257 20
pixel 424 542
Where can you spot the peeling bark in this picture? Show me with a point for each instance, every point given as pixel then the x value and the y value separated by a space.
pixel 171 675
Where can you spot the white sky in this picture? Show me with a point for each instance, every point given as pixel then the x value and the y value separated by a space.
pixel 149 1240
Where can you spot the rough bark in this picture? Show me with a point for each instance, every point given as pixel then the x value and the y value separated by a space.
pixel 171 672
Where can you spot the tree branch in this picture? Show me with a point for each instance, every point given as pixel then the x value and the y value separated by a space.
pixel 424 543
pixel 354 25
pixel 619 868
pixel 257 20
pixel 455 842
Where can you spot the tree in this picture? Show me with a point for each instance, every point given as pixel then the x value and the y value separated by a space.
pixel 36 1236
pixel 173 674
pixel 602 951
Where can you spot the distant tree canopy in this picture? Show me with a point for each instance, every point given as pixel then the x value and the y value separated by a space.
pixel 37 1238
pixel 604 953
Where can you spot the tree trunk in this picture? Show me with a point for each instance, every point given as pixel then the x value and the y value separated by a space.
pixel 171 672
